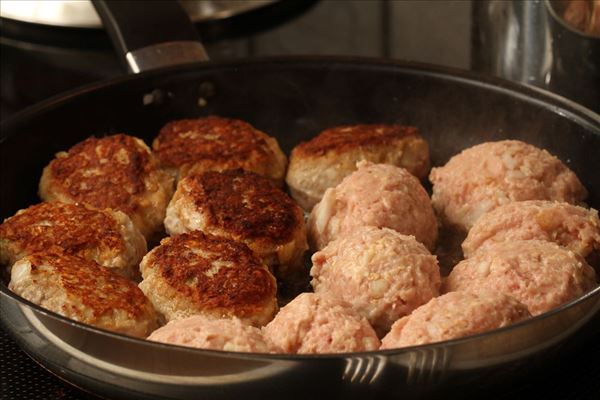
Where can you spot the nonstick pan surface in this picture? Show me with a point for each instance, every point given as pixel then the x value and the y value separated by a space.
pixel 293 99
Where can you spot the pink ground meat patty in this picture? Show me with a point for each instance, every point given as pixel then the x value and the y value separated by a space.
pixel 542 275
pixel 374 195
pixel 211 333
pixel 455 315
pixel 488 175
pixel 573 227
pixel 313 323
pixel 383 274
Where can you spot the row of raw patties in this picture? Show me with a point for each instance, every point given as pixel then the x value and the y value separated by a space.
pixel 391 197
pixel 525 257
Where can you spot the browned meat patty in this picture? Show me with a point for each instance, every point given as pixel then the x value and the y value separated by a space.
pixel 117 172
pixel 325 160
pixel 245 207
pixel 105 236
pixel 214 144
pixel 84 291
pixel 194 273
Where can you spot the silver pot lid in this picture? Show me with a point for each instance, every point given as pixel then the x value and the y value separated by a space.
pixel 81 13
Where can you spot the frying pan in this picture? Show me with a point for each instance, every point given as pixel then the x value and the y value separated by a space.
pixel 293 99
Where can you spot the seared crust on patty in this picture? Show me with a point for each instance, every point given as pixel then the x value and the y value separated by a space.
pixel 261 210
pixel 194 273
pixel 245 207
pixel 343 138
pixel 117 172
pixel 215 143
pixel 325 160
pixel 84 291
pixel 105 236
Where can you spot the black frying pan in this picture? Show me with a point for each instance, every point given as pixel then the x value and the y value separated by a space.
pixel 293 99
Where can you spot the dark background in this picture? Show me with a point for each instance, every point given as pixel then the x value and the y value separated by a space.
pixel 38 64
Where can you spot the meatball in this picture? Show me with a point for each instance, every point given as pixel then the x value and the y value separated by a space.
pixel 325 160
pixel 245 207
pixel 212 333
pixel 194 273
pixel 455 315
pixel 313 323
pixel 215 143
pixel 383 274
pixel 573 227
pixel 84 291
pixel 117 172
pixel 488 175
pixel 105 236
pixel 542 275
pixel 374 195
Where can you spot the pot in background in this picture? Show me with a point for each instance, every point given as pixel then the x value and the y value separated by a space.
pixel 575 58
pixel 529 42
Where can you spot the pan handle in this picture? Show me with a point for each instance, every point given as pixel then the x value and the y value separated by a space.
pixel 150 34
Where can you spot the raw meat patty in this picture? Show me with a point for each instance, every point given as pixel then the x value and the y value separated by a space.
pixel 573 227
pixel 542 275
pixel 492 174
pixel 230 334
pixel 312 323
pixel 374 195
pixel 383 274
pixel 455 315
